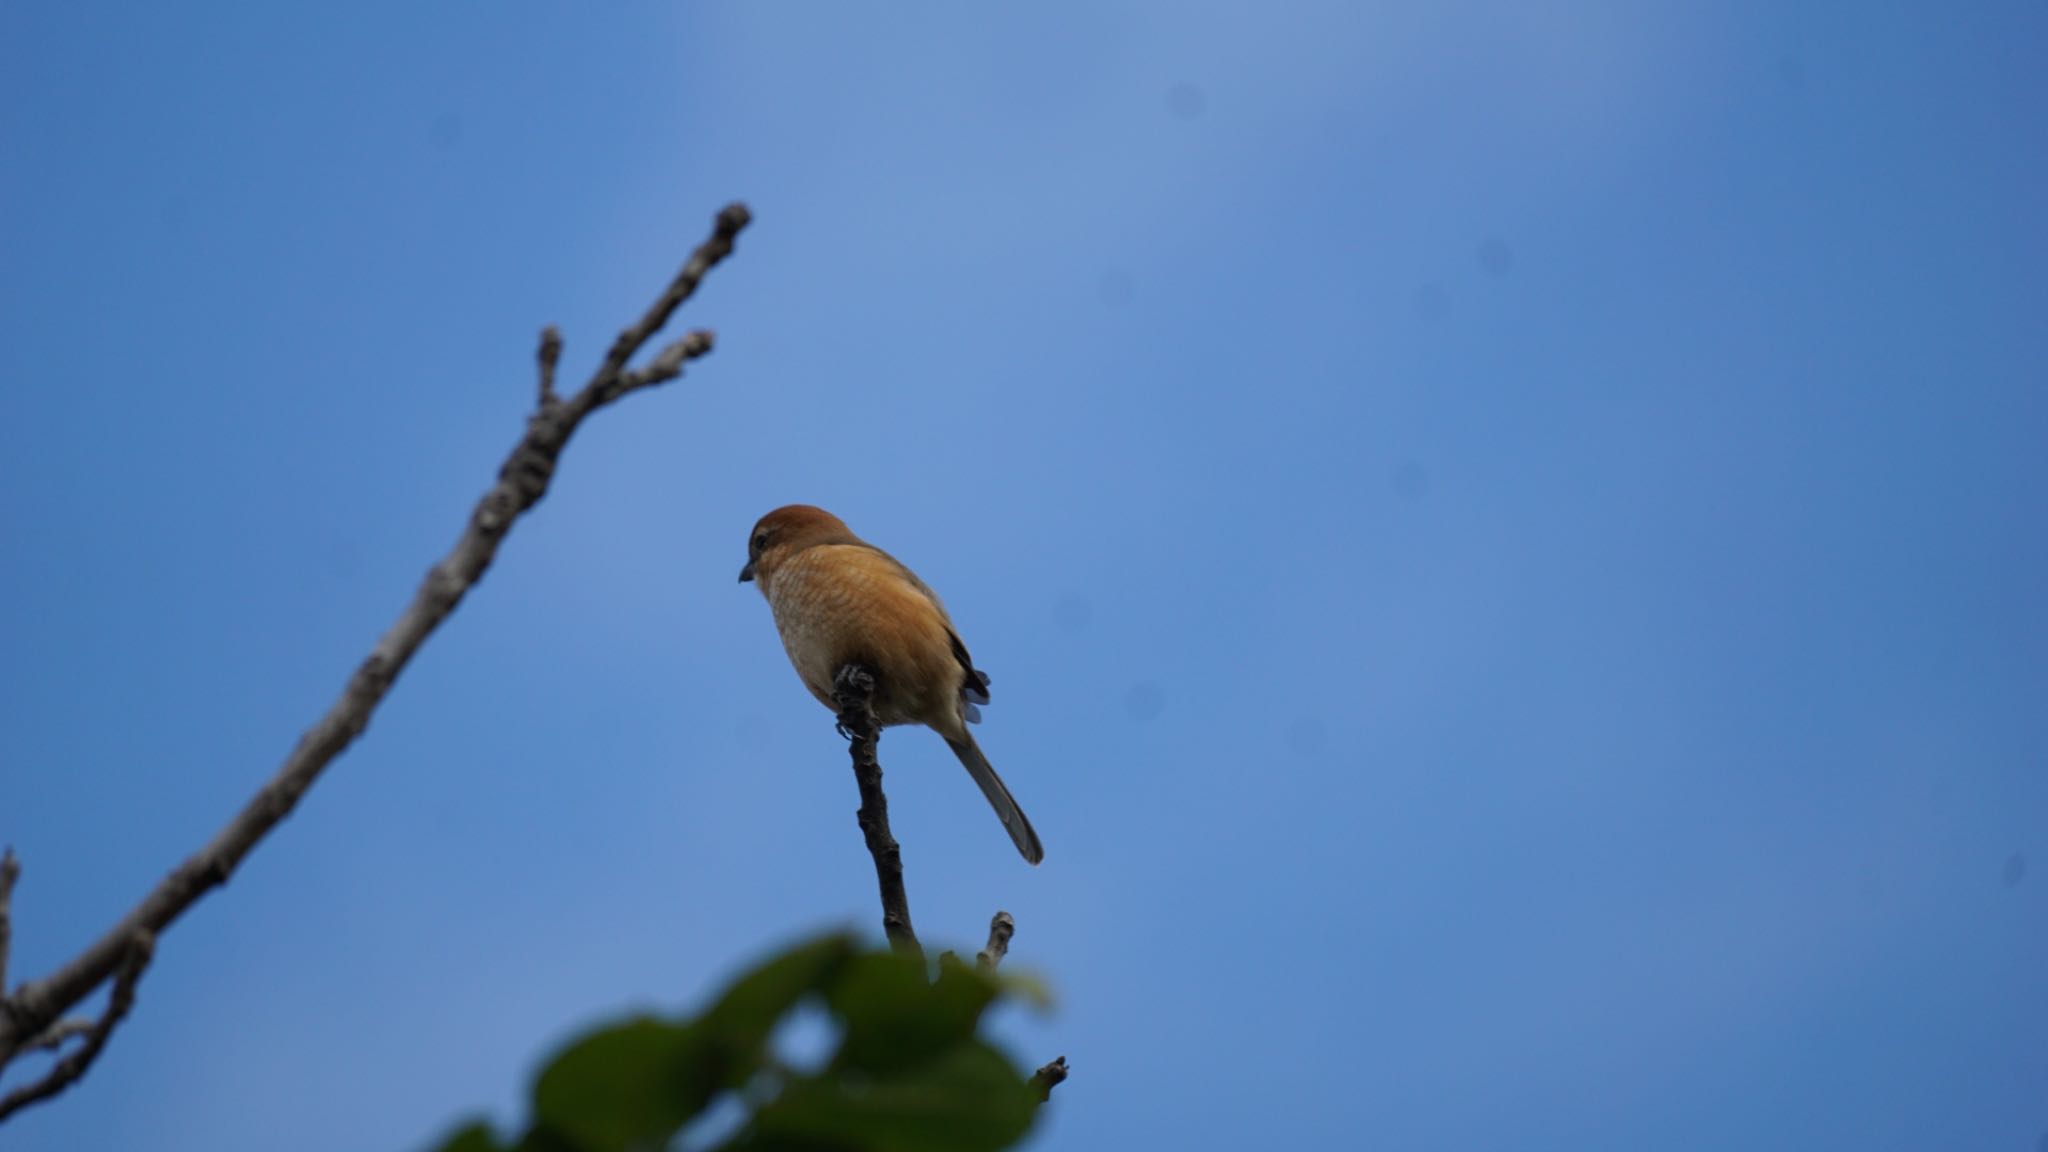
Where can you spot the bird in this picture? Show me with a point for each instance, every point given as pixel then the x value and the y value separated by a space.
pixel 839 600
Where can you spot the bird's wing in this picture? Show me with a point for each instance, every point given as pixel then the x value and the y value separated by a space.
pixel 903 570
pixel 974 689
pixel 974 682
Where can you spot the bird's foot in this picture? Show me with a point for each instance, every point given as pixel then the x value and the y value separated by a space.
pixel 854 679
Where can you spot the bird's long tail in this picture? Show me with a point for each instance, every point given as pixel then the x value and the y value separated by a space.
pixel 999 798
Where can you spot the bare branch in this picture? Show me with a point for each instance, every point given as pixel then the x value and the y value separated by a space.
pixel 550 354
pixel 69 1069
pixel 1000 929
pixel 853 689
pixel 668 363
pixel 522 481
pixel 727 226
pixel 10 871
pixel 1049 1077
pixel 53 1037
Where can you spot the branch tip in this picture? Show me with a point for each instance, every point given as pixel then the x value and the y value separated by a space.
pixel 10 871
pixel 1000 928
pixel 724 230
pixel 731 219
pixel 1049 1077
pixel 549 355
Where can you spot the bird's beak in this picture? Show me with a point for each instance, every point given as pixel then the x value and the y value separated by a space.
pixel 747 573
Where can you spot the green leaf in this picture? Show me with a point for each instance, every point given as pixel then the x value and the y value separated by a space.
pixel 634 1085
pixel 748 1012
pixel 628 1086
pixel 1029 986
pixel 970 1099
pixel 473 1137
pixel 896 1020
pixel 909 1074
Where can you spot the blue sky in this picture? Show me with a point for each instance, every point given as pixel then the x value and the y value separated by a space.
pixel 1508 539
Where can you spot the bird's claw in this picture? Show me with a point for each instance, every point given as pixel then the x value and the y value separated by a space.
pixel 854 678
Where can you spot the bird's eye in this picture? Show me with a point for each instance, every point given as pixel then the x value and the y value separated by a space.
pixel 760 541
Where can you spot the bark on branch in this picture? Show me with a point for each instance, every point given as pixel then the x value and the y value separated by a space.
pixel 1049 1077
pixel 853 689
pixel 1001 927
pixel 522 481
pixel 69 1069
pixel 10 871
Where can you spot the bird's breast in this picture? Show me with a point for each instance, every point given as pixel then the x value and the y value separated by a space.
pixel 837 605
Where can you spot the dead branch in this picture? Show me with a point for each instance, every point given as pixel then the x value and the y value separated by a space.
pixel 68 1070
pixel 10 871
pixel 56 1035
pixel 1049 1077
pixel 1000 928
pixel 853 689
pixel 523 479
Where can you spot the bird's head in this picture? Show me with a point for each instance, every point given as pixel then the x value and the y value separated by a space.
pixel 785 532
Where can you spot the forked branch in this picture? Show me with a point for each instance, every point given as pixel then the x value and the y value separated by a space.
pixel 119 954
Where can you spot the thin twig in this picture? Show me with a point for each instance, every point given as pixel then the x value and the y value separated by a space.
pixel 1048 1077
pixel 727 226
pixel 853 689
pixel 10 871
pixel 550 354
pixel 67 1071
pixel 56 1034
pixel 1000 929
pixel 668 363
pixel 522 481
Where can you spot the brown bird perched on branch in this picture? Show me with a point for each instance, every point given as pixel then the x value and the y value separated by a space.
pixel 839 600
